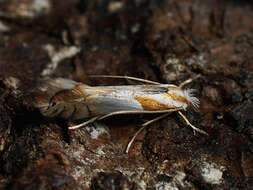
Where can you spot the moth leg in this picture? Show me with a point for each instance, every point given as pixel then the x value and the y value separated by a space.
pixel 84 123
pixel 154 120
pixel 125 77
pixel 188 123
pixel 140 130
pixel 188 81
pixel 133 138
pixel 138 112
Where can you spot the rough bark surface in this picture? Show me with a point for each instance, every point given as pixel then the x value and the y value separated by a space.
pixel 164 41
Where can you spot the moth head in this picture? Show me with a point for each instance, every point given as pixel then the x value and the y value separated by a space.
pixel 52 107
pixel 63 104
pixel 54 102
pixel 61 97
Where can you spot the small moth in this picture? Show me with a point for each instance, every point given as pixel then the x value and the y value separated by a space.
pixel 80 101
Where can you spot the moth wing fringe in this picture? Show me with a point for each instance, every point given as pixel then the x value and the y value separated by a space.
pixel 189 94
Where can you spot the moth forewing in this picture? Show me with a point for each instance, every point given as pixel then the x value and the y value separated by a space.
pixel 107 99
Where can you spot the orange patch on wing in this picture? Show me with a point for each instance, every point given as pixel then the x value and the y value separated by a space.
pixel 176 97
pixel 174 88
pixel 150 104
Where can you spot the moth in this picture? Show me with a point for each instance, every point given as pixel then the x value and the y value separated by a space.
pixel 80 101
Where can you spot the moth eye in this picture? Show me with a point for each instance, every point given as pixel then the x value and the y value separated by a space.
pixel 52 104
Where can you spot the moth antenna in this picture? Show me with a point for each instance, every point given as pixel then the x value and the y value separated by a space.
pixel 188 81
pixel 84 123
pixel 124 77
